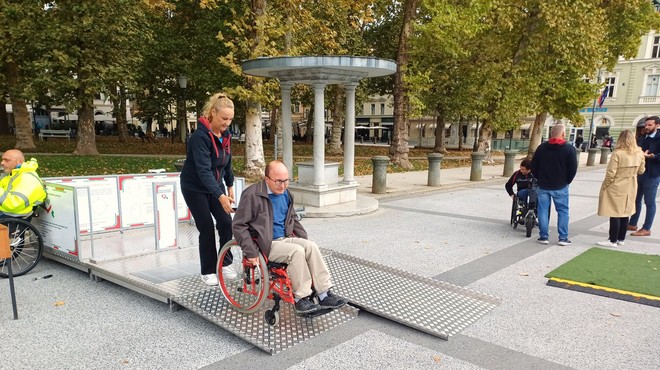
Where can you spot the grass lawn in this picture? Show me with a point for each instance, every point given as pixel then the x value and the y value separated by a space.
pixel 135 156
pixel 632 272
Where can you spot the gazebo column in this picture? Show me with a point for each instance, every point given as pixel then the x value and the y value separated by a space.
pixel 349 134
pixel 319 134
pixel 287 131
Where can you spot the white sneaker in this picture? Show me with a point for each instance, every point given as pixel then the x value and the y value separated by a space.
pixel 620 243
pixel 210 279
pixel 607 243
pixel 229 273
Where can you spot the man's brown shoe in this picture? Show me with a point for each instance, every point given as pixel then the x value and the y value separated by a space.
pixel 641 232
pixel 632 228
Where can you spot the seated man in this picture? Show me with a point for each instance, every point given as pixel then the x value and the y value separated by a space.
pixel 266 221
pixel 522 179
pixel 21 189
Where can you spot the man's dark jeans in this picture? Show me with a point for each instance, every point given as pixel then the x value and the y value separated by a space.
pixel 647 187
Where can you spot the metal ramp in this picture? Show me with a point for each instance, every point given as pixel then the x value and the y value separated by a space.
pixel 432 306
pixel 172 276
pixel 211 305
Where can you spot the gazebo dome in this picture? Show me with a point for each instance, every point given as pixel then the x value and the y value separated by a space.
pixel 329 69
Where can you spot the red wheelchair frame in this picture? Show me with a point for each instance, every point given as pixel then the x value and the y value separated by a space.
pixel 253 284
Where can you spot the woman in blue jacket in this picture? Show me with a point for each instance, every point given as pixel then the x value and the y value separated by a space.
pixel 208 163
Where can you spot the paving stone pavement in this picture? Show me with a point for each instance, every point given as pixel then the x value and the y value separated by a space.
pixel 458 233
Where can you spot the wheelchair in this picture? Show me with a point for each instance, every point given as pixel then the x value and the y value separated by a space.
pixel 248 292
pixel 525 213
pixel 25 243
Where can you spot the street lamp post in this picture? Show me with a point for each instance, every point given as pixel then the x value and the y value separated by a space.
pixel 183 118
pixel 592 126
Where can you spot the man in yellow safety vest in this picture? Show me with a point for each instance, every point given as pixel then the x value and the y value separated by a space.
pixel 21 188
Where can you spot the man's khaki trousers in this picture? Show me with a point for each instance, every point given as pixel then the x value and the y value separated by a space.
pixel 306 265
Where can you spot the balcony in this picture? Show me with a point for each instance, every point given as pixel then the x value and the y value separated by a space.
pixel 649 100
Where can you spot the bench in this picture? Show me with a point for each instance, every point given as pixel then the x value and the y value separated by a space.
pixel 54 133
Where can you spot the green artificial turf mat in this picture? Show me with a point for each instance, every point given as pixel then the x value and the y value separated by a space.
pixel 631 272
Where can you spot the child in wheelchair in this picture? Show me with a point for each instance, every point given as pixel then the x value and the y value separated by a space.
pixel 523 181
pixel 524 200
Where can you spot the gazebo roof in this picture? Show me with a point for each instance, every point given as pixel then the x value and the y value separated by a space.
pixel 328 69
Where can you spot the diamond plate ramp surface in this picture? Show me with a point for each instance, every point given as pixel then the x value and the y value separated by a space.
pixel 291 330
pixel 429 305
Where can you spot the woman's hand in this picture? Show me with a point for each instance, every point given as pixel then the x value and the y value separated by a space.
pixel 226 201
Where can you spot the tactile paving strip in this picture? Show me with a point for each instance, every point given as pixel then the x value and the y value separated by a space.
pixel 291 330
pixel 429 305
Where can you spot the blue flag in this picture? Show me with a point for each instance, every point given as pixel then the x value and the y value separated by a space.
pixel 601 98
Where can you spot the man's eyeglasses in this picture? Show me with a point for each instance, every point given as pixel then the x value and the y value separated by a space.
pixel 279 182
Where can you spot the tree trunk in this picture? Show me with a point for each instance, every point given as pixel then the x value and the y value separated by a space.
pixel 4 119
pixel 181 119
pixel 338 118
pixel 255 163
pixel 535 133
pixel 309 125
pixel 120 116
pixel 439 146
pixel 272 131
pixel 119 112
pixel 460 133
pixel 485 133
pixel 86 144
pixel 399 148
pixel 23 127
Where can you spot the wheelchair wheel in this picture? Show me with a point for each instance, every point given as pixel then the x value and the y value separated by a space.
pixel 272 317
pixel 249 290
pixel 530 220
pixel 26 247
pixel 514 212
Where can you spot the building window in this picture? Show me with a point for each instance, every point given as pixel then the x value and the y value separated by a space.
pixel 448 132
pixel 655 51
pixel 524 134
pixel 373 109
pixel 610 82
pixel 382 109
pixel 296 108
pixel 652 85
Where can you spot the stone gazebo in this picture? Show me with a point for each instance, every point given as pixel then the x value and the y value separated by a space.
pixel 318 183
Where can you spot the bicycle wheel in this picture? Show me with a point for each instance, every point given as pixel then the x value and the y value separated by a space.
pixel 530 220
pixel 514 212
pixel 26 247
pixel 249 289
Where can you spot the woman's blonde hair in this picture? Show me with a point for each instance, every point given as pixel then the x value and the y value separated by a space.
pixel 626 141
pixel 215 102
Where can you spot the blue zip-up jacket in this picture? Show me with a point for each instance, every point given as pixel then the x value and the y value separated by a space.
pixel 208 162
pixel 652 144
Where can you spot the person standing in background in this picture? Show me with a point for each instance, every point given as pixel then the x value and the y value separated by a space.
pixel 578 142
pixel 647 183
pixel 207 164
pixel 617 193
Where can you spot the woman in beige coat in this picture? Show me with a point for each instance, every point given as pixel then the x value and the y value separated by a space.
pixel 617 194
